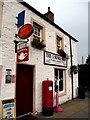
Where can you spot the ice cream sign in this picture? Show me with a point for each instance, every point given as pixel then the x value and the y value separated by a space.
pixel 23 54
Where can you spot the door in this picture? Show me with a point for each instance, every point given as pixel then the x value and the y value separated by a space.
pixel 24 89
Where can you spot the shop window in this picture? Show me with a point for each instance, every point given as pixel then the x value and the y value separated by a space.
pixel 59 80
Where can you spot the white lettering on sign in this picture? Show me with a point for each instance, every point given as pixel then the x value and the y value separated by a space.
pixel 23 54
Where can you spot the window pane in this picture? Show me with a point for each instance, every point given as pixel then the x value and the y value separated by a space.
pixel 60 80
pixel 61 85
pixel 38 32
pixel 36 38
pixel 60 74
pixel 59 43
pixel 56 80
pixel 56 73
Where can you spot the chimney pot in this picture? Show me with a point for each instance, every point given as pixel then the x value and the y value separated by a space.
pixel 48 9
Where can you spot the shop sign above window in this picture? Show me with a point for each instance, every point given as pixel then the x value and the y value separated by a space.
pixel 54 59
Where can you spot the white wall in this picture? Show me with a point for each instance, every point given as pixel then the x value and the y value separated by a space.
pixel 43 72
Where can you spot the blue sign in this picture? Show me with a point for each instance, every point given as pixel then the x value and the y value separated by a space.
pixel 9 105
pixel 20 19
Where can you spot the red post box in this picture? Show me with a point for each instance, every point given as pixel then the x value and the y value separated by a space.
pixel 47 97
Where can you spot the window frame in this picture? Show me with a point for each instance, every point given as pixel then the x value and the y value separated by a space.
pixel 61 93
pixel 43 37
pixel 61 42
pixel 38 30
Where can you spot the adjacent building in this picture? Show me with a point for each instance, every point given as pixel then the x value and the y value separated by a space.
pixel 49 53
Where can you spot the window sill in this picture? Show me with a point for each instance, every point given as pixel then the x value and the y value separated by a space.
pixel 60 94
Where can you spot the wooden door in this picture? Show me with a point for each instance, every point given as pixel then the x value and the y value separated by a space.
pixel 24 89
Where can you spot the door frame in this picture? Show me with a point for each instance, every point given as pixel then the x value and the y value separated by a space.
pixel 34 85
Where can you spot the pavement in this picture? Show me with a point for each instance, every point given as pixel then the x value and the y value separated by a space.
pixel 76 108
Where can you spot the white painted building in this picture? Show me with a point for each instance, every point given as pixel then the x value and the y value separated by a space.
pixel 42 63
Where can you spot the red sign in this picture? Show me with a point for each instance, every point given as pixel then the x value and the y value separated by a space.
pixel 25 31
pixel 13 79
pixel 23 54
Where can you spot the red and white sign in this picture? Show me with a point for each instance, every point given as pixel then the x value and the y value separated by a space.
pixel 23 54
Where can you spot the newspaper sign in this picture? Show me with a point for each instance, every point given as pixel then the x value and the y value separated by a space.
pixel 8 109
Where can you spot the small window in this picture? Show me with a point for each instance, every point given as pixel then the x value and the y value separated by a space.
pixel 38 38
pixel 59 43
pixel 37 32
pixel 59 80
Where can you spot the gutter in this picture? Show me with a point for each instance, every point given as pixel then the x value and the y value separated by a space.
pixel 71 66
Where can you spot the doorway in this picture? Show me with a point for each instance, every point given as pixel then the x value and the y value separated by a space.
pixel 24 89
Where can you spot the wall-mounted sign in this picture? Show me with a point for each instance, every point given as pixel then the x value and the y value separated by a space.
pixel 20 19
pixel 8 110
pixel 25 31
pixel 23 54
pixel 54 59
pixel 8 76
pixel 22 45
pixel 13 80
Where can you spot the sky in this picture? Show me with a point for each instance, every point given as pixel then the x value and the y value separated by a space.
pixel 72 16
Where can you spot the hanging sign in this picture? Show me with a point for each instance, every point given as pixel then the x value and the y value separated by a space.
pixel 25 31
pixel 23 54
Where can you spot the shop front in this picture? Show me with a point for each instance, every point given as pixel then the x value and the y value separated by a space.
pixel 32 51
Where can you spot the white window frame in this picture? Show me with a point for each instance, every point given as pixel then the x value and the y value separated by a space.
pixel 63 92
pixel 39 37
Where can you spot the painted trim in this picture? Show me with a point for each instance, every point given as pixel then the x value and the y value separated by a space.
pixel 34 89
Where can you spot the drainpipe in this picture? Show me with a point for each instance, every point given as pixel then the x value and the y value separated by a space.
pixel 71 66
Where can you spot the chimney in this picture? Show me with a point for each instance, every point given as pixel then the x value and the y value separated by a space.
pixel 49 15
pixel 48 9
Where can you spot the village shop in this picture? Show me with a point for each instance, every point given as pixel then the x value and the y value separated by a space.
pixel 45 52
